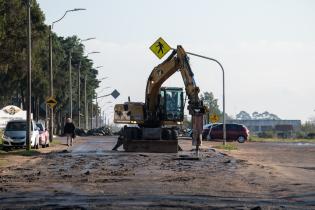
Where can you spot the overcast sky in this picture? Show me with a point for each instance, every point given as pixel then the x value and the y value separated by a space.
pixel 267 47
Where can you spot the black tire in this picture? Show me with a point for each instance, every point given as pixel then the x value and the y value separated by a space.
pixel 166 134
pixel 241 139
pixel 174 134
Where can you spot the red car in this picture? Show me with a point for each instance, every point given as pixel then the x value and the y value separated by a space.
pixel 234 131
pixel 43 135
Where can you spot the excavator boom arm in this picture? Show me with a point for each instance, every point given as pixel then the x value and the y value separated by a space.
pixel 178 60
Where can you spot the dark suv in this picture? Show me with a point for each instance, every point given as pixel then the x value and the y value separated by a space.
pixel 233 132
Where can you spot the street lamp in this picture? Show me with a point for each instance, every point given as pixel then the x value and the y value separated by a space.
pixel 85 96
pixel 88 39
pixel 79 84
pixel 51 89
pixel 223 78
pixel 107 87
pixel 96 117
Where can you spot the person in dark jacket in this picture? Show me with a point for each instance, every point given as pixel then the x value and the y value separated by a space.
pixel 69 131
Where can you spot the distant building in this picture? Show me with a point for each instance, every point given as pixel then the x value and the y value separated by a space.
pixel 257 126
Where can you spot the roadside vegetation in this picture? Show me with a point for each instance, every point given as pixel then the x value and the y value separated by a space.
pixel 55 142
pixel 228 146
pixel 275 139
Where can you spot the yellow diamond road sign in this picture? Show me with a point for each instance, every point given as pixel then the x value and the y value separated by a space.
pixel 160 48
pixel 214 118
pixel 51 102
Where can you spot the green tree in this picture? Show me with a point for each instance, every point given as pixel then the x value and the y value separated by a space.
pixel 13 55
pixel 243 116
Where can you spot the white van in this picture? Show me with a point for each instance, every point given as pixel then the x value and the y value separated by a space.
pixel 15 134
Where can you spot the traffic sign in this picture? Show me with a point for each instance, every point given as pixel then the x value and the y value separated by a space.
pixel 51 102
pixel 214 118
pixel 115 94
pixel 160 48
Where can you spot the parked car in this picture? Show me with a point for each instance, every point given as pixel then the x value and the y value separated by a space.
pixel 43 135
pixel 234 131
pixel 15 134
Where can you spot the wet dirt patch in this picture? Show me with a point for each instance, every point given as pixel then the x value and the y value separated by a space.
pixel 102 179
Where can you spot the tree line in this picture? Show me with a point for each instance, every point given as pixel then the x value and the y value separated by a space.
pixel 13 61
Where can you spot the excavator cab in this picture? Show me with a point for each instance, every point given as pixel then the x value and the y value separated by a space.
pixel 171 104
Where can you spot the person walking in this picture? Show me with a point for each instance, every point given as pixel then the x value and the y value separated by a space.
pixel 69 131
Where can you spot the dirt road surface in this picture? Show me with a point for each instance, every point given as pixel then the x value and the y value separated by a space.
pixel 89 175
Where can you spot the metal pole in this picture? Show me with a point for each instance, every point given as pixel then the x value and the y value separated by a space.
pixel 70 84
pixel 96 117
pixel 79 95
pixel 51 87
pixel 223 77
pixel 85 105
pixel 51 90
pixel 103 117
pixel 92 113
pixel 29 76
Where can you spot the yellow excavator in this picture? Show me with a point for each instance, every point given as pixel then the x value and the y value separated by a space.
pixel 155 122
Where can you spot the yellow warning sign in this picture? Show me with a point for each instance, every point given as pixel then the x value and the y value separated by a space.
pixel 214 118
pixel 160 48
pixel 51 102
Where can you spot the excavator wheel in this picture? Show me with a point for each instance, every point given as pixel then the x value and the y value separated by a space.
pixel 166 134
pixel 174 134
pixel 132 133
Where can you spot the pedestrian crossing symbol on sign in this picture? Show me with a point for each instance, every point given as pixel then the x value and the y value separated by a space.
pixel 51 102
pixel 214 118
pixel 160 48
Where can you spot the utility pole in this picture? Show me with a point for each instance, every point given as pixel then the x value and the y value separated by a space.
pixel 29 76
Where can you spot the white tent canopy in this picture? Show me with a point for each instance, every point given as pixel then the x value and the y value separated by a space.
pixel 11 113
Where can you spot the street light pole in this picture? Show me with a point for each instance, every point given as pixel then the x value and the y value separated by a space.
pixel 79 95
pixel 79 86
pixel 92 113
pixel 223 78
pixel 96 117
pixel 29 76
pixel 70 83
pixel 85 97
pixel 85 105
pixel 51 90
pixel 51 86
